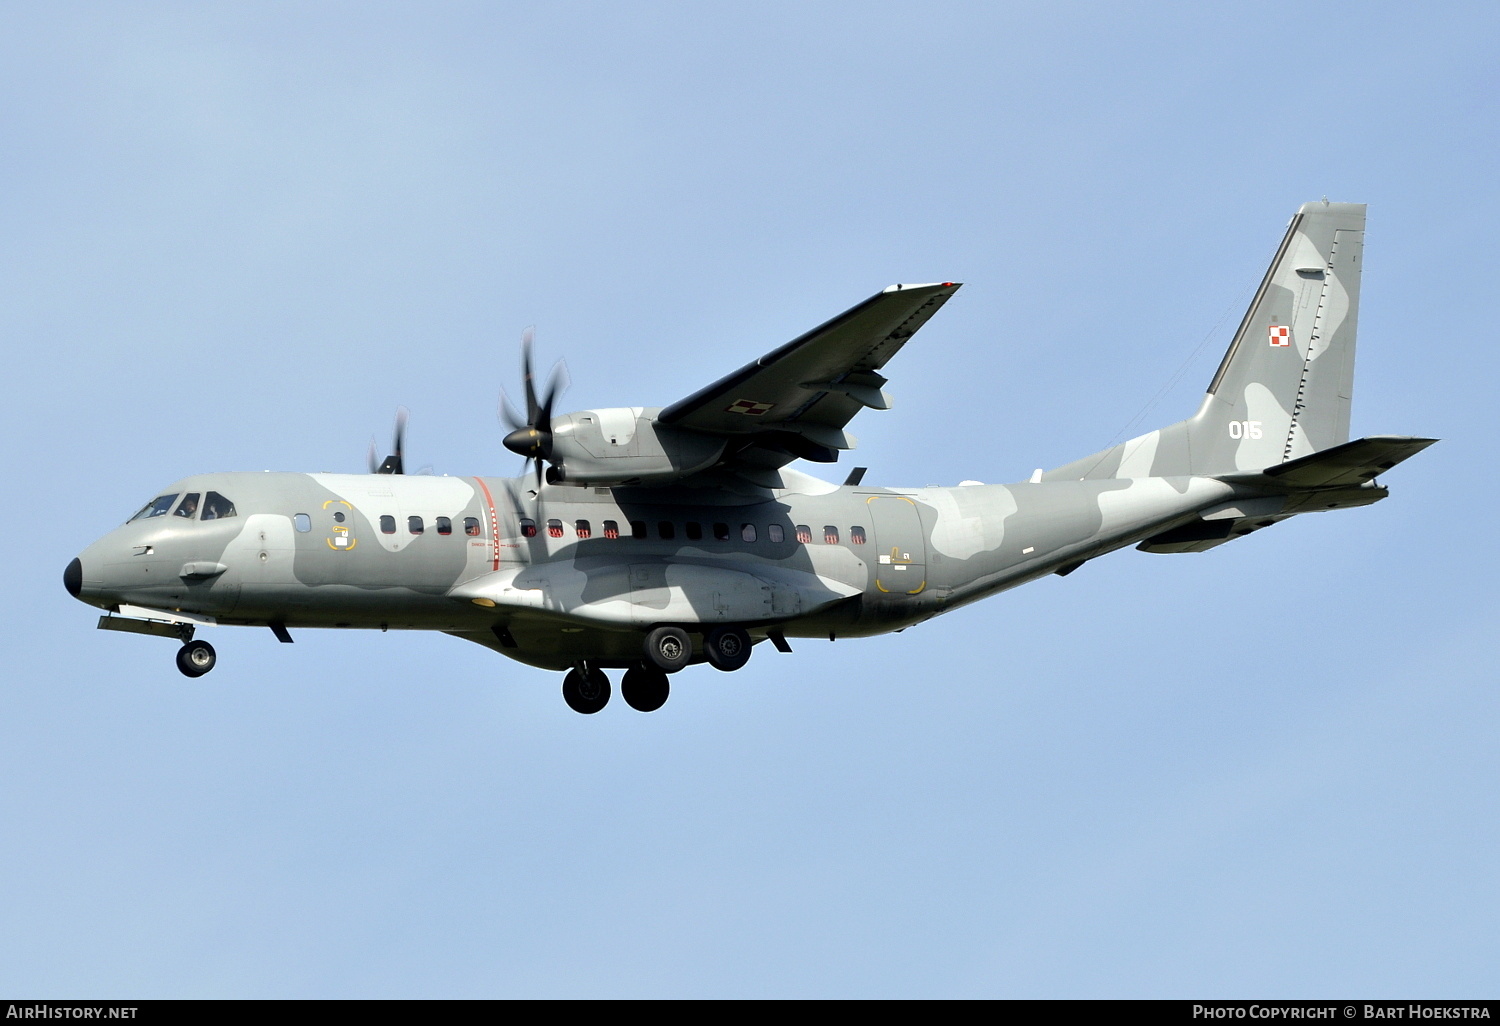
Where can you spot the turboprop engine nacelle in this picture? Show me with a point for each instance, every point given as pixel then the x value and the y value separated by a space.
pixel 626 446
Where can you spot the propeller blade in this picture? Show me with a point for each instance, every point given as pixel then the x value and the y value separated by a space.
pixel 395 463
pixel 508 415
pixel 398 457
pixel 532 406
pixel 557 384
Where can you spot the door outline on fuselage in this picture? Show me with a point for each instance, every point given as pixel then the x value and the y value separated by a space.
pixel 340 537
pixel 900 528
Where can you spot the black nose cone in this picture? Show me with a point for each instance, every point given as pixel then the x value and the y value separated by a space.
pixel 73 578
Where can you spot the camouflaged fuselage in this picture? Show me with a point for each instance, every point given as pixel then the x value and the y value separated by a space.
pixel 285 558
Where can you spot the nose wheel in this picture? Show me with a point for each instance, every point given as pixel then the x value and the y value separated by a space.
pixel 196 658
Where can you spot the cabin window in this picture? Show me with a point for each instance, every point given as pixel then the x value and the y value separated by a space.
pixel 804 534
pixel 528 527
pixel 856 535
pixel 611 529
pixel 554 529
pixel 471 527
pixel 637 529
pixel 747 532
pixel 302 522
pixel 582 529
pixel 694 530
pixel 387 524
pixel 721 532
pixel 774 532
pixel 414 525
pixel 444 525
pixel 189 507
pixel 338 516
pixel 665 530
pixel 830 535
pixel 157 507
pixel 216 507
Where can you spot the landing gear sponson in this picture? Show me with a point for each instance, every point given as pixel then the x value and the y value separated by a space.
pixel 644 686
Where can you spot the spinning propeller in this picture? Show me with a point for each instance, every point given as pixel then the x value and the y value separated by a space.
pixel 532 437
pixel 392 464
pixel 395 463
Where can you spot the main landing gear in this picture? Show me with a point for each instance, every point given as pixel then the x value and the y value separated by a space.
pixel 668 649
pixel 644 686
pixel 586 689
pixel 727 648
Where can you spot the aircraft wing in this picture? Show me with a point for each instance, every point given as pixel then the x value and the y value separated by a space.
pixel 795 401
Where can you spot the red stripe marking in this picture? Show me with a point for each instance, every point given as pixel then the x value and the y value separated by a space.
pixel 494 519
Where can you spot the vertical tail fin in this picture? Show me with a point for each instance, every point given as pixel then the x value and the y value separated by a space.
pixel 1284 387
pixel 1288 377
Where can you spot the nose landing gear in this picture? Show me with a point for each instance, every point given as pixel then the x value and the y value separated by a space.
pixel 196 658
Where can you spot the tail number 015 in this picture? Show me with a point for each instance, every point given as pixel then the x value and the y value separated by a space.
pixel 1244 429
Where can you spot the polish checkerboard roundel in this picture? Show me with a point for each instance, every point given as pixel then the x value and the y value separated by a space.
pixel 1281 335
pixel 749 407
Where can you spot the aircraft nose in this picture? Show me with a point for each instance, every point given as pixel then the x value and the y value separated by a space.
pixel 73 577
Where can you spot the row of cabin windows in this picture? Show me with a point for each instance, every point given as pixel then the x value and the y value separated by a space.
pixel 443 525
pixel 666 530
pixel 414 525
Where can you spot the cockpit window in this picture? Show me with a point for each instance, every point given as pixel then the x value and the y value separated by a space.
pixel 157 507
pixel 216 507
pixel 189 507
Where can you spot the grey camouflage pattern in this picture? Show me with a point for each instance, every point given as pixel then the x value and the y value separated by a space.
pixel 1267 444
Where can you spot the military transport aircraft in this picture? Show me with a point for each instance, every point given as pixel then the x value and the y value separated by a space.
pixel 651 539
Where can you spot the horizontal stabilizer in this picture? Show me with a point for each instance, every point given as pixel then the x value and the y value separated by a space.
pixel 1352 463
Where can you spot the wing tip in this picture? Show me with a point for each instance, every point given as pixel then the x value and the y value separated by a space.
pixel 928 285
pixel 1323 206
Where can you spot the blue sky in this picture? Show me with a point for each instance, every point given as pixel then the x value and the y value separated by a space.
pixel 238 236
